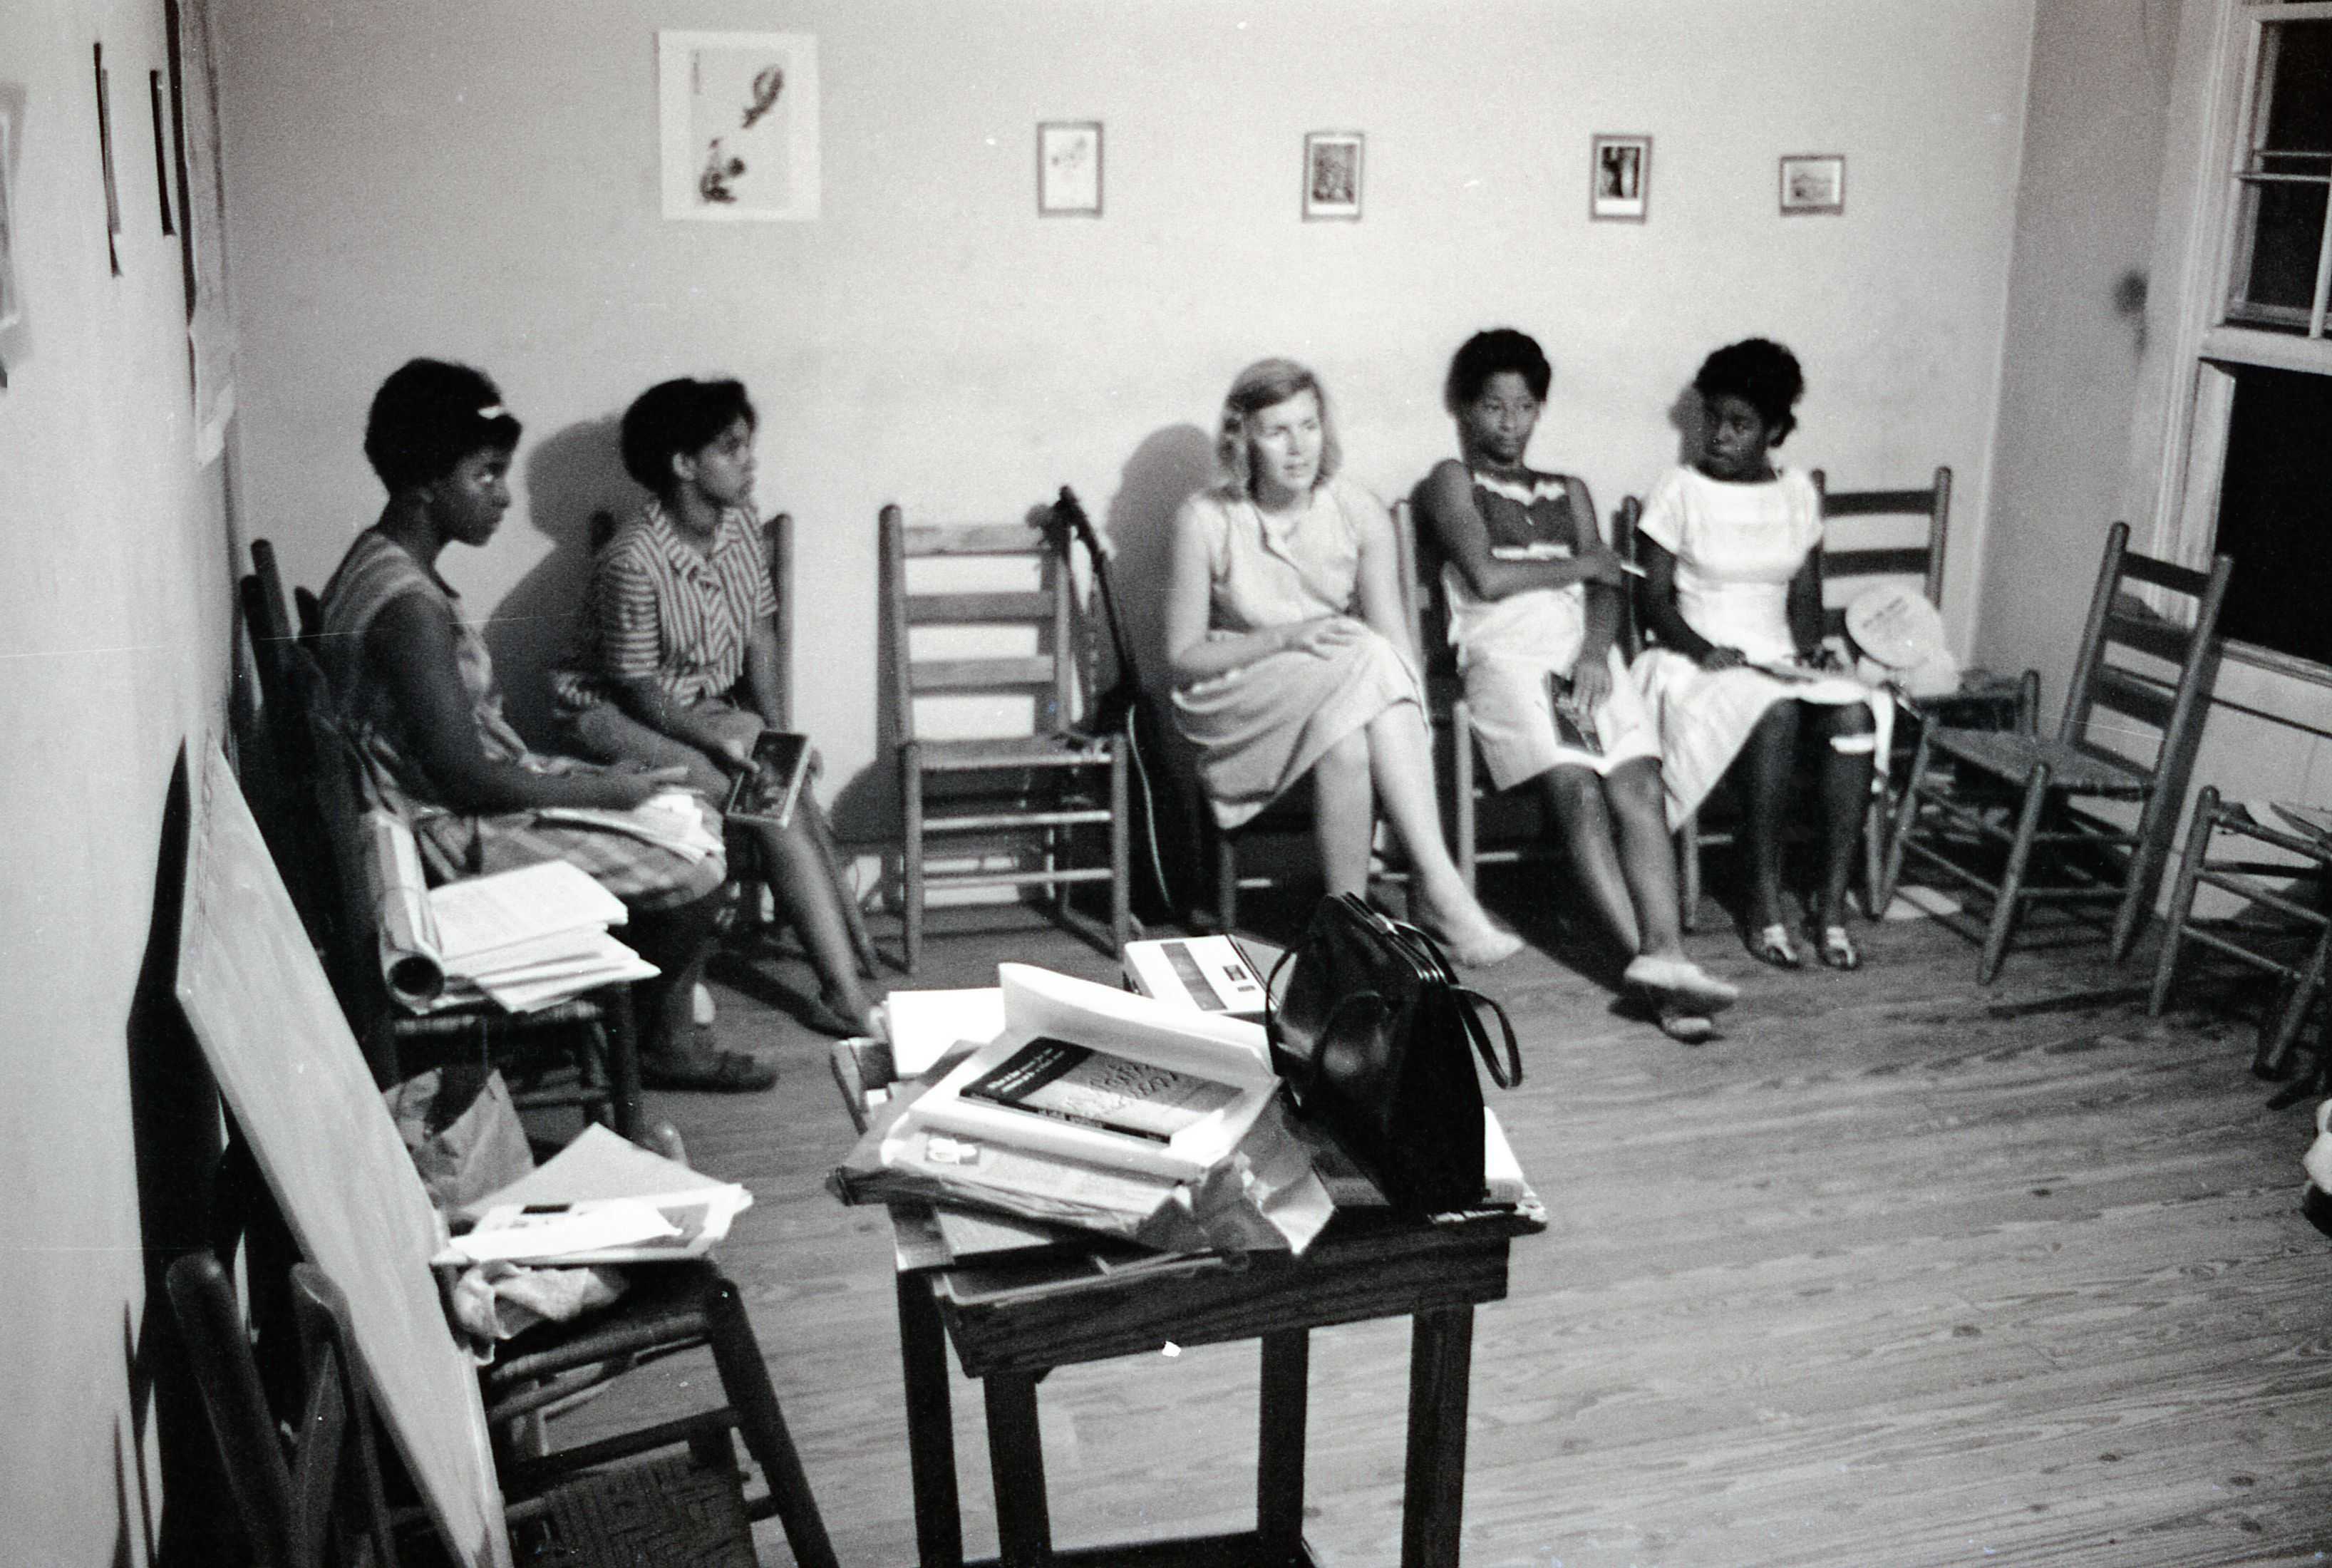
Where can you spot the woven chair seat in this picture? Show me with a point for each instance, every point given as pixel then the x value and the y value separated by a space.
pixel 673 1513
pixel 2014 756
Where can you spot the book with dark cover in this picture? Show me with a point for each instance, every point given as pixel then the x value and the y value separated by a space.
pixel 1094 1088
pixel 781 759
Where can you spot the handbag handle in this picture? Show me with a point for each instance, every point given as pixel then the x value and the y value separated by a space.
pixel 1470 1003
pixel 1311 1063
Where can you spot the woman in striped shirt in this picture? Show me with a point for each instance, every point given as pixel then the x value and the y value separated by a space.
pixel 680 663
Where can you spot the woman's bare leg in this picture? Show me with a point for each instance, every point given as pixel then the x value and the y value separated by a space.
pixel 1638 809
pixel 1344 813
pixel 1575 800
pixel 807 894
pixel 1765 769
pixel 1847 762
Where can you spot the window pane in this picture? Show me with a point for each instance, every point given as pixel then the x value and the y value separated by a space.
pixel 2275 512
pixel 2300 101
pixel 2286 224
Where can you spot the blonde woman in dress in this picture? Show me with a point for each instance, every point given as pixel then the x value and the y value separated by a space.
pixel 1290 651
pixel 1740 681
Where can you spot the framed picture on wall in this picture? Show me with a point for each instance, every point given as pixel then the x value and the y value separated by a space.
pixel 738 125
pixel 1068 168
pixel 1813 182
pixel 1332 175
pixel 1620 176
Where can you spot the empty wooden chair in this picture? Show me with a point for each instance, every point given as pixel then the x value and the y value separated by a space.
pixel 2127 737
pixel 2285 930
pixel 979 620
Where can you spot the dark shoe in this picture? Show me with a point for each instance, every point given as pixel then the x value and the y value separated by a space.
pixel 824 1015
pixel 708 1069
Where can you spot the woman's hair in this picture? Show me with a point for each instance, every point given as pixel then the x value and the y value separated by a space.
pixel 1762 374
pixel 675 418
pixel 1263 385
pixel 1487 354
pixel 428 416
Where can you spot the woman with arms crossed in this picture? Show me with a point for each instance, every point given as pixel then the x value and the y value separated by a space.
pixel 1290 651
pixel 418 696
pixel 1533 603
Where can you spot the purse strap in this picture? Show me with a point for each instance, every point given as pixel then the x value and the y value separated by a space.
pixel 1470 1003
pixel 1311 1065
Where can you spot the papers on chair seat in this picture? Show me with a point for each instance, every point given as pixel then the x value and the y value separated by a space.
pixel 601 1200
pixel 526 938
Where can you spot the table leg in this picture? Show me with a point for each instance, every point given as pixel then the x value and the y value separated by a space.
pixel 1015 1454
pixel 1433 1504
pixel 931 1426
pixel 1279 1444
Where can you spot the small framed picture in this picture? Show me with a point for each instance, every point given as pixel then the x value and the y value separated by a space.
pixel 1620 176
pixel 1068 168
pixel 737 128
pixel 1332 175
pixel 1813 182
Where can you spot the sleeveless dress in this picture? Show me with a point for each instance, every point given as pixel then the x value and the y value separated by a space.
pixel 1737 546
pixel 1508 648
pixel 375 573
pixel 1259 728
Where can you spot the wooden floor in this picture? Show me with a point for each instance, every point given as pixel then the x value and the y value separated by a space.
pixel 1897 1272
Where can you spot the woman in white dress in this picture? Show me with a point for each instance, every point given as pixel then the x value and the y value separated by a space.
pixel 1739 681
pixel 1290 651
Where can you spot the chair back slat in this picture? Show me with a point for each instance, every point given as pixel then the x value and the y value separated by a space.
pixel 965 609
pixel 1000 622
pixel 976 539
pixel 1842 560
pixel 2163 574
pixel 1623 543
pixel 2132 695
pixel 2134 624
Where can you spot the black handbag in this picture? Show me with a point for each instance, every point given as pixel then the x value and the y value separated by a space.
pixel 1376 1040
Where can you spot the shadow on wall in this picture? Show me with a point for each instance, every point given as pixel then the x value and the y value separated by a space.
pixel 569 476
pixel 1689 419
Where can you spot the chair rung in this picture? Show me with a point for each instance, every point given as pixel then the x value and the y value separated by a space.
pixel 992 821
pixel 2220 944
pixel 1016 878
pixel 928 675
pixel 923 538
pixel 2260 896
pixel 965 609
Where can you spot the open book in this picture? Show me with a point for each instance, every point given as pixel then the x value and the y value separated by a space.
pixel 1106 1077
pixel 600 1200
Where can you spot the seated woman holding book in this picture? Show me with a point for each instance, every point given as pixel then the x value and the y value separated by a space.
pixel 679 663
pixel 416 695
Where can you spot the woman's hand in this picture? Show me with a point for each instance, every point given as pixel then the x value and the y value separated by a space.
pixel 1722 659
pixel 1821 656
pixel 1591 682
pixel 1601 564
pixel 1323 636
pixel 734 752
pixel 630 784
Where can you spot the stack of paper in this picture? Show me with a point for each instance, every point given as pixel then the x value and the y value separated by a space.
pixel 600 1200
pixel 672 819
pixel 526 938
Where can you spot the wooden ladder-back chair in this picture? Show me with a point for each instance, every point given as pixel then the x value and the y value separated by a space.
pixel 1290 817
pixel 2285 929
pixel 2100 752
pixel 594 1034
pixel 982 619
pixel 1491 827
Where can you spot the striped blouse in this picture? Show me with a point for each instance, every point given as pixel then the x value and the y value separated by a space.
pixel 660 610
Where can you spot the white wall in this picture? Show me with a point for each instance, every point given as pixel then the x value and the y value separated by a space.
pixel 114 644
pixel 479 182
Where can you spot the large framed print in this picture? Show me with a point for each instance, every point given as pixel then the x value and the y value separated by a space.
pixel 738 125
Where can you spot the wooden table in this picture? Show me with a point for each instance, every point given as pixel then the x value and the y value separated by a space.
pixel 1368 1264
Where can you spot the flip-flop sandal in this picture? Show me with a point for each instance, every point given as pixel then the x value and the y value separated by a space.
pixel 715 1071
pixel 1681 981
pixel 1836 949
pixel 1773 945
pixel 1687 1028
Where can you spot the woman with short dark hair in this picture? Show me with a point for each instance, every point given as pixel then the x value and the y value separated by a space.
pixel 416 695
pixel 681 657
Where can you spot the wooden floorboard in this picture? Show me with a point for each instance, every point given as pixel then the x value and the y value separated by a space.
pixel 1899 1271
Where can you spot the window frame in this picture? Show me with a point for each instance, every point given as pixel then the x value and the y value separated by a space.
pixel 2199 395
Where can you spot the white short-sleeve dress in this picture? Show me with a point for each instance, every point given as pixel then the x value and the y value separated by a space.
pixel 1737 545
pixel 1259 728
